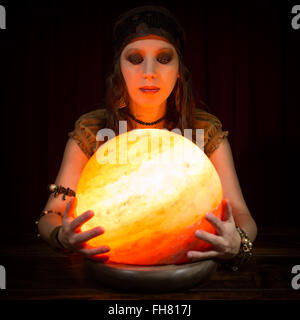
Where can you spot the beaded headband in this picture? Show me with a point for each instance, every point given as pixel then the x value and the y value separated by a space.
pixel 146 20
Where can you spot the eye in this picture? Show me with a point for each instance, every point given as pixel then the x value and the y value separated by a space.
pixel 135 58
pixel 164 58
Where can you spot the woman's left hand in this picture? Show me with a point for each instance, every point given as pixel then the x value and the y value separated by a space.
pixel 226 243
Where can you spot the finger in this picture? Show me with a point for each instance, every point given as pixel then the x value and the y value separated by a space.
pixel 216 222
pixel 99 258
pixel 80 220
pixel 87 235
pixel 227 210
pixel 208 237
pixel 90 251
pixel 202 255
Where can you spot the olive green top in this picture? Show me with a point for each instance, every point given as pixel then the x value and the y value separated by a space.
pixel 87 126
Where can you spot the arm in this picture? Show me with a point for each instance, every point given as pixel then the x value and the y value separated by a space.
pixel 72 164
pixel 223 163
pixel 69 234
pixel 226 242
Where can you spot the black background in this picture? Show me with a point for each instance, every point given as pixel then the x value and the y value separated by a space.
pixel 244 59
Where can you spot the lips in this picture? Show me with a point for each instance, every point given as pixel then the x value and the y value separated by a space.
pixel 149 89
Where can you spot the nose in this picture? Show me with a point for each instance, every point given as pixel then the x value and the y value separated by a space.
pixel 149 69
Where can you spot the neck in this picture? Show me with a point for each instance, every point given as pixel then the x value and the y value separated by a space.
pixel 147 114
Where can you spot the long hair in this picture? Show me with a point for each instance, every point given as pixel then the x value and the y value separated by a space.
pixel 180 104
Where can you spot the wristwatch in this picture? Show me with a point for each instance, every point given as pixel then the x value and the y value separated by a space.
pixel 244 254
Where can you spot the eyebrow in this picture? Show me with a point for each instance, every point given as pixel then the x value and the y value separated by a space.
pixel 143 51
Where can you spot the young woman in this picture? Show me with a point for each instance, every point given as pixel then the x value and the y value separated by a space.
pixel 150 87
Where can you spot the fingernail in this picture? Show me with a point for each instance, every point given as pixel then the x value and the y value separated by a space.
pixel 189 255
pixel 100 230
pixel 90 213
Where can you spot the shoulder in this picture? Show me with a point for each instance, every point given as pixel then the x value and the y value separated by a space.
pixel 213 131
pixel 93 118
pixel 86 128
pixel 91 121
pixel 205 119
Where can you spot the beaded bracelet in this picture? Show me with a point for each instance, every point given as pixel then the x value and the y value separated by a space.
pixel 244 254
pixel 53 240
pixel 53 188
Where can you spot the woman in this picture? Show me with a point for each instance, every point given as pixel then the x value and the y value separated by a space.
pixel 149 88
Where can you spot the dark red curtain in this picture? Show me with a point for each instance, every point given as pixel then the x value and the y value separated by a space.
pixel 244 59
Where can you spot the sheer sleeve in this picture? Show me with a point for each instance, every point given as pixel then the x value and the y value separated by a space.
pixel 86 128
pixel 213 132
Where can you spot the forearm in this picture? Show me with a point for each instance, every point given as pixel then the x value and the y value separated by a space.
pixel 247 224
pixel 47 224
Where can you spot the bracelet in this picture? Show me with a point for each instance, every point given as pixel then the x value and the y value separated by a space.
pixel 244 254
pixel 53 239
pixel 53 188
pixel 44 212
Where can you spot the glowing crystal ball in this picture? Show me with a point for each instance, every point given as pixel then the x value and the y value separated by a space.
pixel 150 190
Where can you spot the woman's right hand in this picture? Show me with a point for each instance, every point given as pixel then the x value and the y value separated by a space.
pixel 71 237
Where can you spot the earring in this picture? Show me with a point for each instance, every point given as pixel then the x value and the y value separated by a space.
pixel 122 103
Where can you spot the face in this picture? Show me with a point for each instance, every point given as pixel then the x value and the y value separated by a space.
pixel 150 68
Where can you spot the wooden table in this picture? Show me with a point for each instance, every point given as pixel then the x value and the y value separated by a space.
pixel 35 271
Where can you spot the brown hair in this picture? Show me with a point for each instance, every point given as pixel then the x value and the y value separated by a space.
pixel 180 104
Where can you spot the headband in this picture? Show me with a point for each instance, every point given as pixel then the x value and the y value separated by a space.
pixel 146 20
